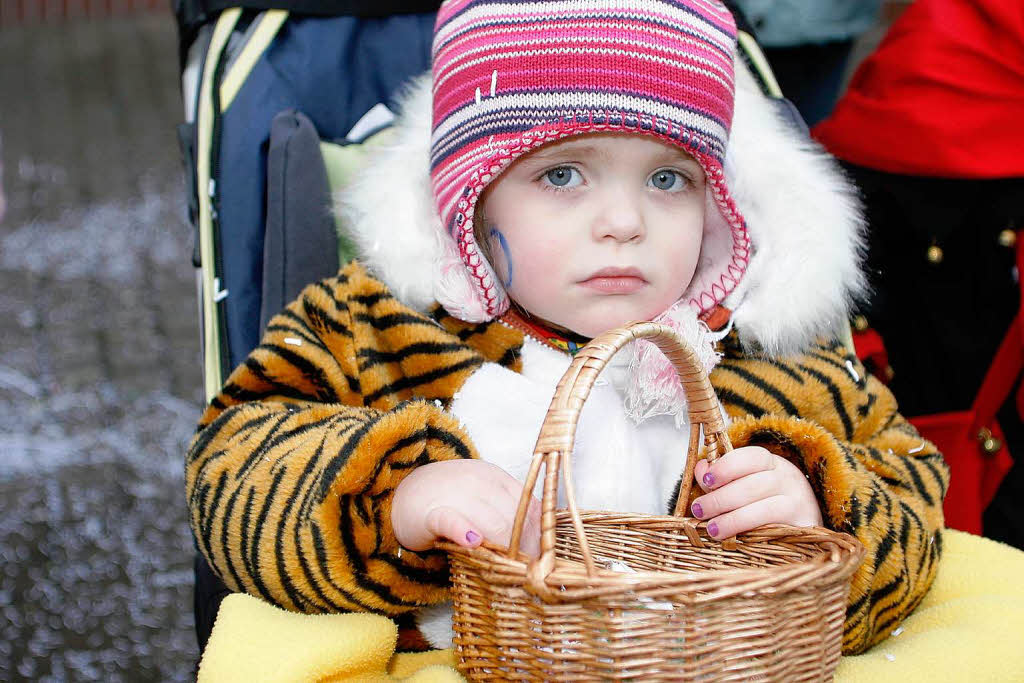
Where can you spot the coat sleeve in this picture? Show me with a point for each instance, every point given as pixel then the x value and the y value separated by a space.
pixel 291 475
pixel 874 476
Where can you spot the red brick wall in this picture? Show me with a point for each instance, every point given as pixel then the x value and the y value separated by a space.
pixel 14 12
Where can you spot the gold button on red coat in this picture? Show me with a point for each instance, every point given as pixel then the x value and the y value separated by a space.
pixel 989 443
pixel 1008 237
pixel 935 254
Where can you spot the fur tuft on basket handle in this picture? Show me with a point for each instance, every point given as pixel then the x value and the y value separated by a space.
pixel 557 434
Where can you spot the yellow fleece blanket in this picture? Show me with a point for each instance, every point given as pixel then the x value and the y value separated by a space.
pixel 970 627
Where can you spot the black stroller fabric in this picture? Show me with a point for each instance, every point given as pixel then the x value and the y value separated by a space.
pixel 274 231
pixel 300 245
pixel 333 70
pixel 191 15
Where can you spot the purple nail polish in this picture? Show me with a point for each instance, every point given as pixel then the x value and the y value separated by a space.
pixel 713 528
pixel 709 479
pixel 472 537
pixel 697 511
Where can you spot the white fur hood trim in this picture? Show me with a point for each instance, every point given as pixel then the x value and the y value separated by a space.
pixel 802 215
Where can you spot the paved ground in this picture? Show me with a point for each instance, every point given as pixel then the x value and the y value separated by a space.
pixel 99 357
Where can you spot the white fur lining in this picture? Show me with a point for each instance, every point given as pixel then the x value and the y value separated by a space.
pixel 389 207
pixel 804 221
pixel 802 214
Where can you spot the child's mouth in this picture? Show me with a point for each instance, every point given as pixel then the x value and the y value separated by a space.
pixel 615 281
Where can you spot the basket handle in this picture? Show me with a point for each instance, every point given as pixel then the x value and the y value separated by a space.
pixel 558 431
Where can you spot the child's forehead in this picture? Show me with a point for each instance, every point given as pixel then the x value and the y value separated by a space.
pixel 609 146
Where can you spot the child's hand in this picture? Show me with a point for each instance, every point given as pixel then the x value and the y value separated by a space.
pixel 464 501
pixel 750 486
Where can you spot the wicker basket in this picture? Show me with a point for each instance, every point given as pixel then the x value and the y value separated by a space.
pixel 767 605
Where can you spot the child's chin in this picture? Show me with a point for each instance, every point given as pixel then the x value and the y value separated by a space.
pixel 594 327
pixel 590 321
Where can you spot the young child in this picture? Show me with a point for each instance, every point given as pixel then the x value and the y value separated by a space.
pixel 577 174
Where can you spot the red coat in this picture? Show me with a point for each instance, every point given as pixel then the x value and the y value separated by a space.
pixel 943 95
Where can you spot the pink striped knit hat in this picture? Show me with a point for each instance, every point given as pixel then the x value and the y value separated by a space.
pixel 513 75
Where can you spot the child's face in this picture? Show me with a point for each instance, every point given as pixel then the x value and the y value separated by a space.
pixel 596 231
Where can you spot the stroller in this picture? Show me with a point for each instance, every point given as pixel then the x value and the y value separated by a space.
pixel 273 128
pixel 271 125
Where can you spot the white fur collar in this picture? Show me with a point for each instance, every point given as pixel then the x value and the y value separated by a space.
pixel 802 214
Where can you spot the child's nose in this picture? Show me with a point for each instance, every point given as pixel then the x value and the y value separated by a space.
pixel 620 219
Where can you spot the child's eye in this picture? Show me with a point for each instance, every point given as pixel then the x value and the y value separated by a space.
pixel 667 180
pixel 563 177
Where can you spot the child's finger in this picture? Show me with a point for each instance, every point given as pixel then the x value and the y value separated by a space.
pixel 447 522
pixel 699 470
pixel 531 529
pixel 530 543
pixel 736 494
pixel 735 464
pixel 530 540
pixel 764 511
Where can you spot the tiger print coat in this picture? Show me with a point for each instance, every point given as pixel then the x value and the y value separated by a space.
pixel 291 474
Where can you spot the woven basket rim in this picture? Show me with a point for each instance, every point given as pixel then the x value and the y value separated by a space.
pixel 835 556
